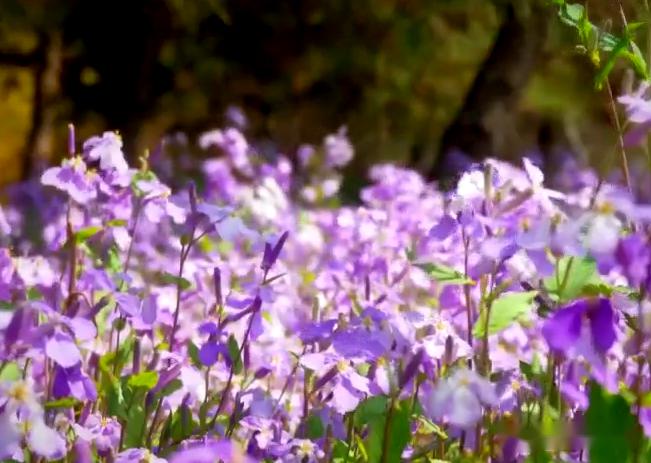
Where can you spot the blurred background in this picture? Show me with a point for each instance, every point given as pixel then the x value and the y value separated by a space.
pixel 410 79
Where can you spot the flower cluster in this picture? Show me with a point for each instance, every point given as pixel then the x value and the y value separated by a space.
pixel 253 318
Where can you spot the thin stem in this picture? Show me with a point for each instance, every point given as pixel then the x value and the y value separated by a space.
pixel 127 260
pixel 179 289
pixel 72 242
pixel 620 137
pixel 386 437
pixel 286 385
pixel 153 422
pixel 637 387
pixel 466 292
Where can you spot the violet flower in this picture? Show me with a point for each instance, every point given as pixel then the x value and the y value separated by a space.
pixel 72 178
pixel 459 398
pixel 107 149
pixel 565 327
pixel 338 149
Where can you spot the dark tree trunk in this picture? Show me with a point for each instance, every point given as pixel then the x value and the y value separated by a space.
pixel 47 75
pixel 498 85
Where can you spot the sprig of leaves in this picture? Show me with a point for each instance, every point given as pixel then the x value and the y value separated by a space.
pixel 602 47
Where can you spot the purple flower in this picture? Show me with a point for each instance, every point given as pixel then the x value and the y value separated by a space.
pixel 61 348
pixel 7 271
pixel 72 178
pixel 633 254
pixel 444 228
pixel 21 417
pixel 209 451
pixel 235 116
pixel 360 343
pixel 103 432
pixel 211 350
pixel 564 328
pixel 74 382
pixel 459 398
pixel 271 253
pixel 338 149
pixel 349 386
pixel 232 143
pixel 317 331
pixel 138 456
pixel 106 148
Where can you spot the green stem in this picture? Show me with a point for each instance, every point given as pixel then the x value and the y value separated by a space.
pixel 466 292
pixel 620 137
pixel 385 436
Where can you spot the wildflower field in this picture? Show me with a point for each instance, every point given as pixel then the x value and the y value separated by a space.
pixel 230 307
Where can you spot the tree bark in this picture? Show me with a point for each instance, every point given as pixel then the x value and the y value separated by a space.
pixel 499 83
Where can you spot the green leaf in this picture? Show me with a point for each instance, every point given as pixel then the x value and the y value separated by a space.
pixel 573 274
pixel 113 260
pixel 112 390
pixel 445 275
pixel 505 310
pixel 604 72
pixel 340 451
pixel 170 279
pixel 429 427
pixel 65 402
pixel 637 60
pixel 135 426
pixel 183 424
pixel 34 294
pixel 634 26
pixel 193 352
pixel 172 386
pixel 575 15
pixel 234 352
pixel 609 426
pixel 84 234
pixel 391 441
pixel 607 41
pixel 314 427
pixel 10 372
pixel 116 223
pixel 145 379
pixel 370 409
pixel 572 13
pixel 532 370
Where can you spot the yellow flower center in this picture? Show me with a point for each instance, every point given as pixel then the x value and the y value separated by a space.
pixel 342 366
pixel 19 392
pixel 606 208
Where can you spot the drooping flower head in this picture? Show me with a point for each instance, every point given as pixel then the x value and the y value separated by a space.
pixel 593 318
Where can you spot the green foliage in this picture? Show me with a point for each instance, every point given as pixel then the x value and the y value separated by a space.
pixel 595 41
pixel 65 402
pixel 505 310
pixel 10 372
pixel 610 426
pixel 445 275
pixel 146 380
pixel 314 428
pixel 193 352
pixel 388 425
pixel 572 276
pixel 175 280
pixel 392 440
pixel 83 235
pixel 234 352
pixel 370 409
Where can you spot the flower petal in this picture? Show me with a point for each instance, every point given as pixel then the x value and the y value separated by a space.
pixel 563 329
